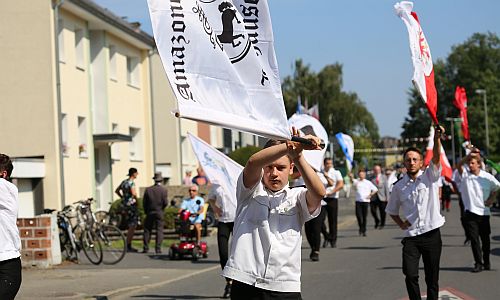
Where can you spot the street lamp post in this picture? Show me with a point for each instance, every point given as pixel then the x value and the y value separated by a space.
pixel 483 92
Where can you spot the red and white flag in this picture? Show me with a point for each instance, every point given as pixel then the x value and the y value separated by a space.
pixel 423 74
pixel 460 102
pixel 445 163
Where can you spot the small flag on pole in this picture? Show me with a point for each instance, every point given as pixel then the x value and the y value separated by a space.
pixel 347 145
pixel 460 102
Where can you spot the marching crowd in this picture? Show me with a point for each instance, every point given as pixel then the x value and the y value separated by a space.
pixel 263 259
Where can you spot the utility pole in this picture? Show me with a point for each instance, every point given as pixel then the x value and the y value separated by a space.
pixel 452 123
pixel 483 92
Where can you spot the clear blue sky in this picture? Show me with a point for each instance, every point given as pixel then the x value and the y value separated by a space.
pixel 365 36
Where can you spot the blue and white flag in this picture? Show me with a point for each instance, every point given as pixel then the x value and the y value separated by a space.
pixel 219 168
pixel 220 62
pixel 309 125
pixel 347 145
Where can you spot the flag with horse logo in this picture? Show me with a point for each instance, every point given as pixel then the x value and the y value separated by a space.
pixel 220 61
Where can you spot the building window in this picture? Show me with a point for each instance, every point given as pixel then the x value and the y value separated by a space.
pixel 133 71
pixel 82 133
pixel 64 135
pixel 60 40
pixel 112 62
pixel 135 147
pixel 79 49
pixel 115 148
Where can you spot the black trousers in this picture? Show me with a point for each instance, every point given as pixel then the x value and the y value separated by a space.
pixel 242 291
pixel 10 278
pixel 479 231
pixel 313 229
pixel 153 221
pixel 361 212
pixel 378 207
pixel 224 230
pixel 332 212
pixel 462 216
pixel 427 245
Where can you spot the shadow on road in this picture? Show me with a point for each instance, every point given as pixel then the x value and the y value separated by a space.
pixel 495 251
pixel 362 248
pixel 176 297
pixel 496 237
pixel 451 269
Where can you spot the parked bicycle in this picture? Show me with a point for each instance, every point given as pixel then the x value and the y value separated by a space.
pixel 114 245
pixel 73 239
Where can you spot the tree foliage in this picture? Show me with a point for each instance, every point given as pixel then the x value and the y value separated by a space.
pixel 474 64
pixel 339 111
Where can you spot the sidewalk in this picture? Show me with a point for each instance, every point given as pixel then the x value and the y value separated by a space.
pixel 135 273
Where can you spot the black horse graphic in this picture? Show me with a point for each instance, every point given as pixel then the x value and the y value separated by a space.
pixel 228 14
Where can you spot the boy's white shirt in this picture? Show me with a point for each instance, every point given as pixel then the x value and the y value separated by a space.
pixel 10 242
pixel 267 238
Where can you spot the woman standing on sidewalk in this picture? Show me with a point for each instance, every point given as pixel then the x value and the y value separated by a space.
pixel 10 246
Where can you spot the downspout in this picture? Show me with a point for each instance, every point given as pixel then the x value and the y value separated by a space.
pixel 55 6
pixel 151 52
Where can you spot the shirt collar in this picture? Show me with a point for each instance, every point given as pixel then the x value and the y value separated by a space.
pixel 408 178
pixel 285 190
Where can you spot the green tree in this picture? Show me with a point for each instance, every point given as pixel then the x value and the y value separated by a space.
pixel 241 155
pixel 474 64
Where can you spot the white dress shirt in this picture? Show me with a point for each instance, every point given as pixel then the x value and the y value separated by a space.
pixel 419 200
pixel 336 176
pixel 10 242
pixel 267 238
pixel 224 202
pixel 475 190
pixel 363 189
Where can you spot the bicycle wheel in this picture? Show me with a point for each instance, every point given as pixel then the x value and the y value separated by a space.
pixel 67 250
pixel 91 247
pixel 114 245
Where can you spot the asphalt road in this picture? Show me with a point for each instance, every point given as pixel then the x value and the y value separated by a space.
pixel 362 267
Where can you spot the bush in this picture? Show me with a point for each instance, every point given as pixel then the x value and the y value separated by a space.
pixel 241 155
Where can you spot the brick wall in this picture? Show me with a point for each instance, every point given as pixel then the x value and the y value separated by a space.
pixel 39 241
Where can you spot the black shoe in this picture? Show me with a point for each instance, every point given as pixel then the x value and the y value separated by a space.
pixel 158 251
pixel 364 233
pixel 376 225
pixel 325 243
pixel 486 267
pixel 145 250
pixel 131 249
pixel 466 242
pixel 381 227
pixel 477 268
pixel 333 244
pixel 314 256
pixel 227 291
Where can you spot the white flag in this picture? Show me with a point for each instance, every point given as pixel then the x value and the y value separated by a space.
pixel 220 169
pixel 309 125
pixel 220 61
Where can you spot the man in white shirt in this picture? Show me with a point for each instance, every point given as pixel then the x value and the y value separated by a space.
pixel 265 257
pixel 365 190
pixel 10 242
pixel 417 195
pixel 478 190
pixel 225 210
pixel 379 200
pixel 335 183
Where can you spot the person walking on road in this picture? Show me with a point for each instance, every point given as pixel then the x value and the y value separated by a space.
pixel 154 202
pixel 10 241
pixel 335 183
pixel 478 190
pixel 126 191
pixel 365 189
pixel 417 195
pixel 379 201
pixel 265 261
pixel 225 210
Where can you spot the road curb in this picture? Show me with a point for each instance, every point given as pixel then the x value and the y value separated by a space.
pixel 123 292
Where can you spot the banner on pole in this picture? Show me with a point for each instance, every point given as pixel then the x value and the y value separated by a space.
pixel 423 74
pixel 219 168
pixel 347 145
pixel 309 125
pixel 219 59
